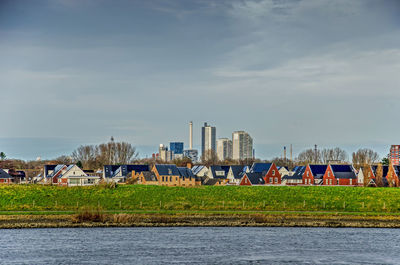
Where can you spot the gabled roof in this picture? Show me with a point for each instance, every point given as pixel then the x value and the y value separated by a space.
pixel 219 169
pixel 260 167
pixel 56 170
pixel 210 181
pixel 112 170
pixel 167 170
pixel 4 175
pixel 255 178
pixel 385 169
pixel 237 171
pixel 196 169
pixel 397 170
pixel 343 171
pixel 149 176
pixel 296 168
pixel 298 174
pixel 186 172
pixel 71 167
pixel 318 171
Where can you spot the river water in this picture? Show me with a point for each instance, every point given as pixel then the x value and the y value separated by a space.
pixel 200 245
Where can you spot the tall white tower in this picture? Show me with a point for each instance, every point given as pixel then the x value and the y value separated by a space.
pixel 190 135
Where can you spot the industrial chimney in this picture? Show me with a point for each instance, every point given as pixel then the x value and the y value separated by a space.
pixel 190 135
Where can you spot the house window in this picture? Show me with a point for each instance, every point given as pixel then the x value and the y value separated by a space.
pixel 170 179
pixel 276 180
pixel 337 181
pixel 329 174
pixel 162 178
pixel 307 173
pixel 330 182
pixel 270 180
pixel 351 182
pixel 273 172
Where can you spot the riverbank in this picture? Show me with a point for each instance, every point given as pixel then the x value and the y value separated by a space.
pixel 198 220
pixel 15 198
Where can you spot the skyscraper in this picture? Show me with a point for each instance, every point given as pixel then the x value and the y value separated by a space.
pixel 191 153
pixel 208 140
pixel 242 145
pixel 224 149
pixel 176 147
pixel 395 154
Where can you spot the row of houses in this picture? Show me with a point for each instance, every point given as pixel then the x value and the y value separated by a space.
pixel 248 175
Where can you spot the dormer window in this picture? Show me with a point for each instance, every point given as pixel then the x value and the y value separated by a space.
pixel 169 171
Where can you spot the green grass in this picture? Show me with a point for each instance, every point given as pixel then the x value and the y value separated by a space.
pixel 229 199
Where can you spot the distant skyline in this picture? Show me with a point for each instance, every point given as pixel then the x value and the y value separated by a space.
pixel 299 72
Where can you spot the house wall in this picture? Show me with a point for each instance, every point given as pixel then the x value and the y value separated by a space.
pixel 74 171
pixel 308 177
pixel 360 178
pixel 166 180
pixel 392 176
pixel 330 180
pixel 273 173
pixel 187 182
pixel 245 181
pixel 292 182
pixel 5 181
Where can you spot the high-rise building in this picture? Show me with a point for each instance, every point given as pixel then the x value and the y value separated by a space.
pixel 164 154
pixel 176 147
pixel 224 149
pixel 395 154
pixel 242 145
pixel 208 140
pixel 190 135
pixel 192 154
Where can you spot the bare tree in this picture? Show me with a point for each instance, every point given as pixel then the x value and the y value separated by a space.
pixel 111 153
pixel 333 154
pixel 114 153
pixel 364 156
pixel 309 156
pixel 87 155
pixel 366 168
pixel 209 158
pixel 379 176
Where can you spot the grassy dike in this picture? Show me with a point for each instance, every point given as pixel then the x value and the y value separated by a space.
pixel 137 205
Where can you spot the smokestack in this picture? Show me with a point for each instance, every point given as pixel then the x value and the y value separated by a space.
pixel 315 152
pixel 190 135
pixel 284 152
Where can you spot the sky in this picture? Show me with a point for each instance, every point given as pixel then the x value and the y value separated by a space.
pixel 297 72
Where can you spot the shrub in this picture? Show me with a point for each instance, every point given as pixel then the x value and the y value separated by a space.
pixel 88 214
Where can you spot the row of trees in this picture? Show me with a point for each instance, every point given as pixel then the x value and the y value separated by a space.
pixel 111 153
pixel 310 156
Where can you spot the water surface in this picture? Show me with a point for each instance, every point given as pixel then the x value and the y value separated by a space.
pixel 202 245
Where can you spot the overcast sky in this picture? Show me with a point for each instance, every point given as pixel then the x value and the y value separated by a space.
pixel 309 72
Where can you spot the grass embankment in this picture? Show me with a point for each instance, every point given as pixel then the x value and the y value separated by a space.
pixel 229 199
pixel 135 205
